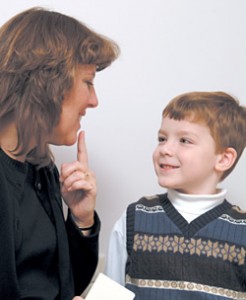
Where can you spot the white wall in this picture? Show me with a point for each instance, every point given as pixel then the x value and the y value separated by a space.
pixel 168 47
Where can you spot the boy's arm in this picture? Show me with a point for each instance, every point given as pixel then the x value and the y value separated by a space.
pixel 117 252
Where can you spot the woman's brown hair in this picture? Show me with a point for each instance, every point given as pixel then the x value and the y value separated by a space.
pixel 39 52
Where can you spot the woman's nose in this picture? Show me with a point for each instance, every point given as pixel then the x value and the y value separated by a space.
pixel 93 101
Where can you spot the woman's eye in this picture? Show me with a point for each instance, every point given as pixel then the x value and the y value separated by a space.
pixel 89 83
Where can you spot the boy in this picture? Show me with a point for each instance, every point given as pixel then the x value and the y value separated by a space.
pixel 189 243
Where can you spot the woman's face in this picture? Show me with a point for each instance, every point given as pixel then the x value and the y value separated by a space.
pixel 81 96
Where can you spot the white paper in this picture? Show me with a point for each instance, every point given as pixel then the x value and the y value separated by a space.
pixel 104 288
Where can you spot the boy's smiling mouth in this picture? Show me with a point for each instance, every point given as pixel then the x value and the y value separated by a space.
pixel 168 167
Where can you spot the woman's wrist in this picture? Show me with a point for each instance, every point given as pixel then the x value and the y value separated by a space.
pixel 86 228
pixel 85 225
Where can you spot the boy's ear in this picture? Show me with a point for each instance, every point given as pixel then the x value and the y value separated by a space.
pixel 226 159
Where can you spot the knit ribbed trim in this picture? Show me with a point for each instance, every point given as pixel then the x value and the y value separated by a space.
pixel 189 229
pixel 130 219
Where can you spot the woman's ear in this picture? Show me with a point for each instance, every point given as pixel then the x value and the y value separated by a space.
pixel 226 159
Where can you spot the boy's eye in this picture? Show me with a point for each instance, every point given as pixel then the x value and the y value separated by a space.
pixel 161 139
pixel 185 141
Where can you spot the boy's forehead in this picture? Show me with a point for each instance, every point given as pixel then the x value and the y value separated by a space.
pixel 184 126
pixel 191 119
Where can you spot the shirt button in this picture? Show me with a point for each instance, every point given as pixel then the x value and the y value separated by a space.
pixel 39 186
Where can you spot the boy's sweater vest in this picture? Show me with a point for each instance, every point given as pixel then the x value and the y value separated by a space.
pixel 168 258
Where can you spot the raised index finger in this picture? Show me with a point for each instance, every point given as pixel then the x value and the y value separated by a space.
pixel 81 150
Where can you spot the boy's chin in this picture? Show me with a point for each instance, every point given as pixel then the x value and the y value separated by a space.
pixel 163 184
pixel 167 185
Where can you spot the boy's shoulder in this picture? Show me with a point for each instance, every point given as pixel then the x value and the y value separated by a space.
pixel 235 215
pixel 144 204
pixel 238 209
pixel 148 201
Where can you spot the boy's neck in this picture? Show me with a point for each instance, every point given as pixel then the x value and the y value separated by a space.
pixel 192 206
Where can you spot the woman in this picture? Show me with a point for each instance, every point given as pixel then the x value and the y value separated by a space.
pixel 47 65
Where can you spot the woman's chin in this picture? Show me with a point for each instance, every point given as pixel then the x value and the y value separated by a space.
pixel 69 141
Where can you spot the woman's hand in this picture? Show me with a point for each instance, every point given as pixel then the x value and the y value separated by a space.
pixel 78 186
pixel 78 298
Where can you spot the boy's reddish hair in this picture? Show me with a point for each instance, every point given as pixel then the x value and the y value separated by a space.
pixel 222 113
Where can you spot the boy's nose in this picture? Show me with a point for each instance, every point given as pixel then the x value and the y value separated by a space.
pixel 167 149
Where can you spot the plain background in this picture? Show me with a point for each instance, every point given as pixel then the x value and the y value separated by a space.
pixel 167 47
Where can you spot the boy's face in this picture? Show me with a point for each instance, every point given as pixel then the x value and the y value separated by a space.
pixel 185 157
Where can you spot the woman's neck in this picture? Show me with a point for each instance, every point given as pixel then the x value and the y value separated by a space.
pixel 9 141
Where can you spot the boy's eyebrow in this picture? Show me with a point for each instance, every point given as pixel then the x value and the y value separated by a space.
pixel 181 132
pixel 161 131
